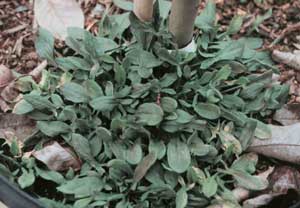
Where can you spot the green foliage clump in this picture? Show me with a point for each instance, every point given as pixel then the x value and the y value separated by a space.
pixel 153 127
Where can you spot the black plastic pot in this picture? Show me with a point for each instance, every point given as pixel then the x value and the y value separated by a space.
pixel 13 197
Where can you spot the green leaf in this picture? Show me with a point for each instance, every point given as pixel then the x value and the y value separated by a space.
pixel 164 8
pixel 83 203
pixel 57 101
pixel 54 176
pixel 209 187
pixel 235 25
pixel 133 154
pixel 104 134
pixel 82 187
pixel 251 91
pixel 73 63
pixel 96 145
pixel 260 19
pixel 181 198
pixel 53 128
pixel 39 102
pixel 22 107
pixel 229 141
pixel 248 181
pixel 164 55
pixel 119 169
pixel 104 103
pixel 262 131
pixel 44 45
pixel 143 58
pixel 74 92
pixel 178 154
pixel 82 147
pixel 247 134
pixel 14 147
pixel 206 20
pixel 245 163
pixel 104 45
pixel 150 114
pixel 124 4
pixel 208 111
pixel 93 89
pixel 183 117
pixel 26 179
pixel 120 74
pixel 158 147
pixel 168 104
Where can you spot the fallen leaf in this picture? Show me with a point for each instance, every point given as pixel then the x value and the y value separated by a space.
pixel 6 76
pixel 290 59
pixel 284 178
pixel 10 92
pixel 4 106
pixel 56 16
pixel 288 115
pixel 57 158
pixel 281 180
pixel 258 201
pixel 284 144
pixel 37 71
pixel 16 126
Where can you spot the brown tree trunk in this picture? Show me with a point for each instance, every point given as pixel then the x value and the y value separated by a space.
pixel 182 19
pixel 143 9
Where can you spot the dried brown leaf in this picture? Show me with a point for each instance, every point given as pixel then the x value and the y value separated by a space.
pixel 37 71
pixel 290 59
pixel 283 145
pixel 10 92
pixel 284 178
pixel 281 180
pixel 57 15
pixel 259 201
pixel 288 115
pixel 144 166
pixel 16 126
pixel 57 158
pixel 4 106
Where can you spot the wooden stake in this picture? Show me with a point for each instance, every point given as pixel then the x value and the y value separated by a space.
pixel 143 9
pixel 182 19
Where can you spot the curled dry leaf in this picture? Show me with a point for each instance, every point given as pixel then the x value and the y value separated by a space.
pixel 10 92
pixel 57 15
pixel 290 59
pixel 288 115
pixel 285 178
pixel 259 201
pixel 57 158
pixel 15 126
pixel 282 179
pixel 283 145
pixel 3 105
pixel 225 204
pixel 37 71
